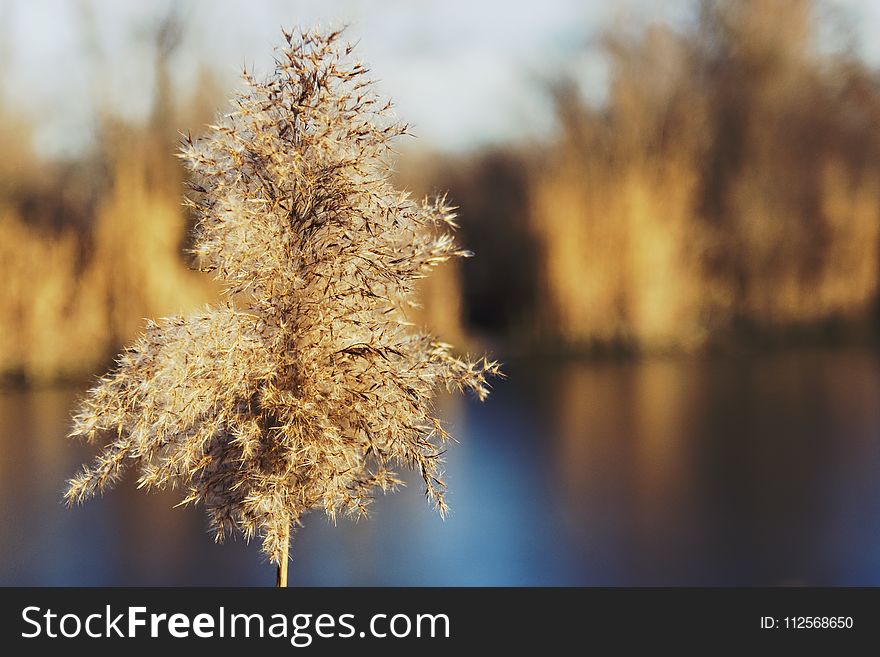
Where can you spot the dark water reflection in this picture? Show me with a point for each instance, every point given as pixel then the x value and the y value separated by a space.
pixel 727 471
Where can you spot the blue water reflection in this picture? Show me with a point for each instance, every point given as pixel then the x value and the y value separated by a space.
pixel 730 471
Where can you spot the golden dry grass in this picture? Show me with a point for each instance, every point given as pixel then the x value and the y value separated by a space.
pixel 727 190
pixel 308 385
pixel 729 183
pixel 72 294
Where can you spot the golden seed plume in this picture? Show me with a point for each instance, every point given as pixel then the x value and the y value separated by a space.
pixel 308 387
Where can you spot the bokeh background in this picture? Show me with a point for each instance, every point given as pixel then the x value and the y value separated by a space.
pixel 676 212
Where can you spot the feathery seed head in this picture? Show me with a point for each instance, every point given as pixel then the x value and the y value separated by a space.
pixel 309 386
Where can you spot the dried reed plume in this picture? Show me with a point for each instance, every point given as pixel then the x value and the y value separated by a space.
pixel 309 386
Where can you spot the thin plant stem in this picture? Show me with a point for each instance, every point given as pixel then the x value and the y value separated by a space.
pixel 281 575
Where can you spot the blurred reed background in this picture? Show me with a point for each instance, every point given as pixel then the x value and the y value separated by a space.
pixel 725 193
pixel 720 199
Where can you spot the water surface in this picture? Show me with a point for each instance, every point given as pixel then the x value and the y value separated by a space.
pixel 722 471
